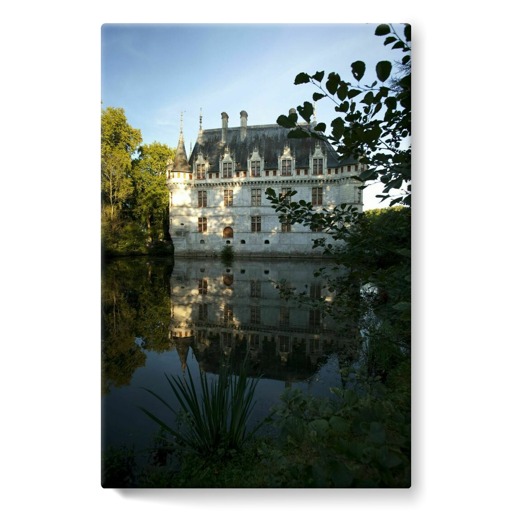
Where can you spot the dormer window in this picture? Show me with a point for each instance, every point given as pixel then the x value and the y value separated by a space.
pixel 286 167
pixel 201 171
pixel 255 168
pixel 318 165
pixel 255 164
pixel 227 165
pixel 286 162
pixel 201 166
pixel 227 169
pixel 318 161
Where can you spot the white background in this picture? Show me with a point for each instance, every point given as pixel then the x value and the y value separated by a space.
pixel 50 337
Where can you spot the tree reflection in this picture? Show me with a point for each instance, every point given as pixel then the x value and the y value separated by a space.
pixel 135 316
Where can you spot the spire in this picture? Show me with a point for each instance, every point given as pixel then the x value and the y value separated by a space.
pixel 200 135
pixel 180 160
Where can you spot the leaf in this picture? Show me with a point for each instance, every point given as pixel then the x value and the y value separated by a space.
pixel 407 32
pixel 389 40
pixel 383 70
pixel 340 474
pixel 302 78
pixel 332 83
pixel 298 134
pixel 318 76
pixel 358 69
pixel 320 127
pixel 318 96
pixel 390 102
pixel 382 30
pixel 352 93
pixel 342 90
pixel 306 110
pixel 377 433
pixel 319 425
pixel 339 425
pixel 338 127
pixel 368 98
pixel 285 122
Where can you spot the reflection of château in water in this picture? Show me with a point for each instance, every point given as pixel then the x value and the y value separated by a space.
pixel 220 310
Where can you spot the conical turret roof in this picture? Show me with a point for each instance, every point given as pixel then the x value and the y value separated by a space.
pixel 180 159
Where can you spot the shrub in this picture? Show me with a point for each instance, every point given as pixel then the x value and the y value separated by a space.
pixel 215 415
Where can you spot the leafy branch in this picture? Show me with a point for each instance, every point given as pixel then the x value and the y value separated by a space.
pixel 374 125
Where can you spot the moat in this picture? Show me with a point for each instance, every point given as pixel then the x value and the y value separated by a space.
pixel 164 316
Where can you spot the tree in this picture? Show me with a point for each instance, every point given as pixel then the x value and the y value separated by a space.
pixel 151 206
pixel 373 126
pixel 119 142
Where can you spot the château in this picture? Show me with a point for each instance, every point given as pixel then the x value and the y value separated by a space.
pixel 217 196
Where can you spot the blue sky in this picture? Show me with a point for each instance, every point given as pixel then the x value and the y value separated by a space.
pixel 155 72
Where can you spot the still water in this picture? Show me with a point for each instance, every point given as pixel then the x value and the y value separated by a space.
pixel 162 317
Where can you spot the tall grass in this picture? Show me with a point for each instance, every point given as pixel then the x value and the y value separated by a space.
pixel 215 413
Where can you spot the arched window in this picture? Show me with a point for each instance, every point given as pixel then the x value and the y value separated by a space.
pixel 228 232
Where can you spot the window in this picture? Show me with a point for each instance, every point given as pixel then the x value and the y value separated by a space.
pixel 227 169
pixel 316 196
pixel 284 191
pixel 284 316
pixel 318 165
pixel 228 197
pixel 256 224
pixel 202 224
pixel 284 343
pixel 315 291
pixel 255 289
pixel 228 314
pixel 256 197
pixel 286 167
pixel 202 286
pixel 201 171
pixel 203 311
pixel 255 168
pixel 201 199
pixel 314 318
pixel 255 315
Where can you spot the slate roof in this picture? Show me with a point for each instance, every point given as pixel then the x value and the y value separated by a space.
pixel 270 141
pixel 180 163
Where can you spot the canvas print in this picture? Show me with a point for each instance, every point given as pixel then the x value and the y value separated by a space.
pixel 256 256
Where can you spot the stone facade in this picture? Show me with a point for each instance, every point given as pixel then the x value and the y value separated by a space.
pixel 217 196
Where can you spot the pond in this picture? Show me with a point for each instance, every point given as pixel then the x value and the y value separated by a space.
pixel 168 317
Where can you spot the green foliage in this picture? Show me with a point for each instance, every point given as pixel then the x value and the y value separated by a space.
pixel 374 125
pixel 119 141
pixel 359 439
pixel 151 195
pixel 215 415
pixel 135 303
pixel 118 468
pixel 227 255
pixel 134 195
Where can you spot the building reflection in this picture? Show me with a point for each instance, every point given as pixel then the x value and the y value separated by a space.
pixel 238 311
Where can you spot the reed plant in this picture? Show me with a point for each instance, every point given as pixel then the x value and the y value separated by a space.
pixel 215 413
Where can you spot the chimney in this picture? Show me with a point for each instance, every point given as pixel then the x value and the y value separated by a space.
pixel 243 125
pixel 225 118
